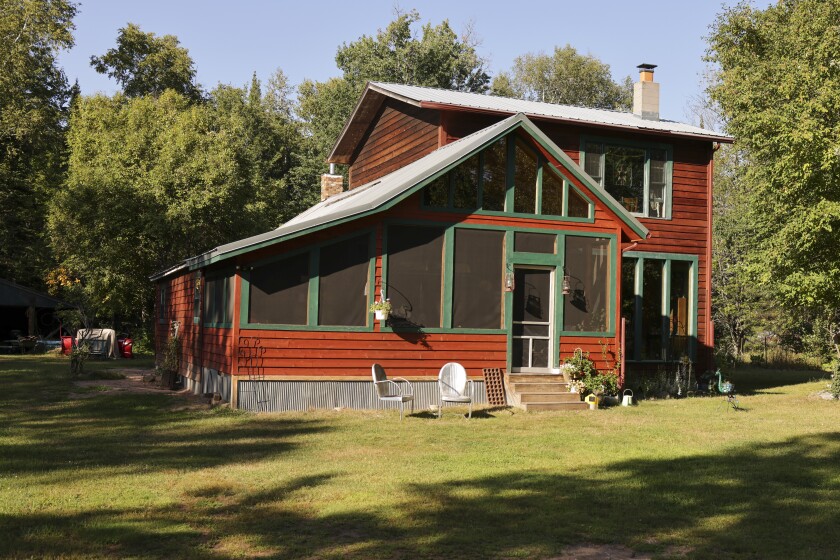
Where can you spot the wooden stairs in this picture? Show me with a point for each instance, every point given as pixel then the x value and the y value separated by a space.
pixel 543 392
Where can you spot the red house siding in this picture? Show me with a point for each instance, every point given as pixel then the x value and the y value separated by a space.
pixel 400 134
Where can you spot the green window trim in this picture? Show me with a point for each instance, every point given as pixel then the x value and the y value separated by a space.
pixel 542 164
pixel 228 293
pixel 313 288
pixel 693 308
pixel 647 147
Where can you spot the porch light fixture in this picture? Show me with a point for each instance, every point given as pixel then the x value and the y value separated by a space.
pixel 510 281
pixel 567 282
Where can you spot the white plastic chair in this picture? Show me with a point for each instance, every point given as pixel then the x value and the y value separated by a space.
pixel 389 390
pixel 454 386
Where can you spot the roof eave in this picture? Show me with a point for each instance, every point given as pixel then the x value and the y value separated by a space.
pixel 538 116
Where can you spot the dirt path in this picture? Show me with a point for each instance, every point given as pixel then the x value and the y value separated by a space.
pixel 135 381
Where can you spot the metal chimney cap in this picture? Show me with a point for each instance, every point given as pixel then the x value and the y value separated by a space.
pixel 648 67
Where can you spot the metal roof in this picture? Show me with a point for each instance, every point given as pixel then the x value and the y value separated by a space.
pixel 390 189
pixel 442 98
pixel 15 295
pixel 541 109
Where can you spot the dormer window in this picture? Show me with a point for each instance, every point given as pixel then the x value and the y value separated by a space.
pixel 637 176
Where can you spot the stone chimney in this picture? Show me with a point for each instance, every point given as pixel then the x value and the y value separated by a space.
pixel 331 184
pixel 646 94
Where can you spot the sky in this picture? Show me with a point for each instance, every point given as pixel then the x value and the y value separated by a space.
pixel 230 40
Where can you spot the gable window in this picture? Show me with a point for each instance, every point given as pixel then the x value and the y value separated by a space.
pixel 637 176
pixel 218 301
pixel 507 176
pixel 414 280
pixel 280 292
pixel 343 277
pixel 659 302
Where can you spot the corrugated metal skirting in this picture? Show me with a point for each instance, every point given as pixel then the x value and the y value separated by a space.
pixel 211 381
pixel 279 396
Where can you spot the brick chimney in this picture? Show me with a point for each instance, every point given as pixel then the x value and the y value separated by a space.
pixel 646 94
pixel 331 184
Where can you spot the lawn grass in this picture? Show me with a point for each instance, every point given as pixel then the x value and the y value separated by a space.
pixel 103 475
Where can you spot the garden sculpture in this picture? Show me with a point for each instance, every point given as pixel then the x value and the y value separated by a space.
pixel 727 389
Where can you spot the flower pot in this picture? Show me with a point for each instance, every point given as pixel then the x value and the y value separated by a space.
pixel 382 314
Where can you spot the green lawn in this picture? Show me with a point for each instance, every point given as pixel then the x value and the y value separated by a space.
pixel 103 475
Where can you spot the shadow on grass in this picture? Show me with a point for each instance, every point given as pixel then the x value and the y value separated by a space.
pixel 752 380
pixel 774 500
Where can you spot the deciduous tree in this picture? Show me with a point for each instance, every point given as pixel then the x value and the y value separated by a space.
pixel 565 77
pixel 778 85
pixel 34 99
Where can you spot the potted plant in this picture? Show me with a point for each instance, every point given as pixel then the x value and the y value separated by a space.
pixel 568 371
pixel 382 309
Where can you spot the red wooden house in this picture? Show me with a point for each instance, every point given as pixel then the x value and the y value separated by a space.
pixel 505 233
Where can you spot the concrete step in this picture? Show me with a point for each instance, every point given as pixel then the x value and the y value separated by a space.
pixel 530 387
pixel 549 398
pixel 542 406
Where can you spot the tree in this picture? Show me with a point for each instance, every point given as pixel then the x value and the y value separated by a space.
pixel 778 85
pixel 144 64
pixel 155 179
pixel 34 99
pixel 565 77
pixel 434 57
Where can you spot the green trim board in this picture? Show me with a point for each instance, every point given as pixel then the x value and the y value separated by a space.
pixel 647 146
pixel 510 188
pixel 313 287
pixel 403 183
pixel 665 303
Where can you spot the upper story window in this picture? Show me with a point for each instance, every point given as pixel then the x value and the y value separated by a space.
pixel 637 176
pixel 508 176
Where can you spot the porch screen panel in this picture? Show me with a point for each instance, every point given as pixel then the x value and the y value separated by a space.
pixel 415 266
pixel 586 308
pixel 477 281
pixel 343 269
pixel 652 315
pixel 279 292
pixel 628 304
pixel 679 320
pixel 218 300
pixel 525 242
pixel 578 206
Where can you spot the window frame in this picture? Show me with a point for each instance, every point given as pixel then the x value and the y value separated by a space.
pixel 510 156
pixel 229 291
pixel 313 287
pixel 638 294
pixel 647 147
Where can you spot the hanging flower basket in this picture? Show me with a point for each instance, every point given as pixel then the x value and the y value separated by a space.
pixel 382 309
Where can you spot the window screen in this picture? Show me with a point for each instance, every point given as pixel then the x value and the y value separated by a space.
pixel 587 308
pixel 436 193
pixel 552 192
pixel 533 242
pixel 415 257
pixel 495 176
pixel 162 301
pixel 279 292
pixel 343 269
pixel 524 179
pixel 578 206
pixel 478 277
pixel 653 320
pixel 628 303
pixel 465 184
pixel 218 300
